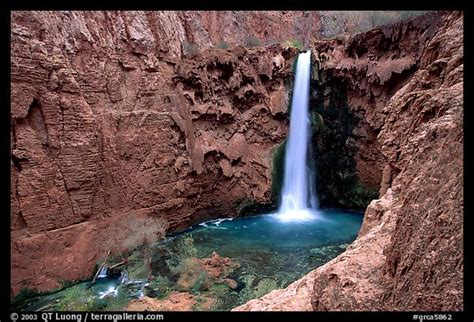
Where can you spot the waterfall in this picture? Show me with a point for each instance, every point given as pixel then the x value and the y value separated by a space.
pixel 103 272
pixel 124 277
pixel 298 198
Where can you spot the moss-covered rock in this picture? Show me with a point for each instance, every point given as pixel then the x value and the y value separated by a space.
pixel 317 123
pixel 248 207
pixel 278 168
pixel 265 286
pixel 333 122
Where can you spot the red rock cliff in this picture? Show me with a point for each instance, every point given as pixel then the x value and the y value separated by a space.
pixel 115 139
pixel 406 82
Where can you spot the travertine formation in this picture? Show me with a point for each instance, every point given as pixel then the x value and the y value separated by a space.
pixel 176 301
pixel 406 82
pixel 116 138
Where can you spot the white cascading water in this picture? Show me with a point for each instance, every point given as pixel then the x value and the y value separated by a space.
pixel 103 272
pixel 298 200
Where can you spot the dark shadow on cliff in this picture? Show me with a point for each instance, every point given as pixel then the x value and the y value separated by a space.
pixel 333 146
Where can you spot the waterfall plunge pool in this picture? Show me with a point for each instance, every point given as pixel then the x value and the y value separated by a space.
pixel 266 253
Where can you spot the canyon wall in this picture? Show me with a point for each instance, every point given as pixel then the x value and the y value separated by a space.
pixel 206 28
pixel 405 82
pixel 117 139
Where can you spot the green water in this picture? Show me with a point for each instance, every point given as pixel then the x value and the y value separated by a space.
pixel 271 254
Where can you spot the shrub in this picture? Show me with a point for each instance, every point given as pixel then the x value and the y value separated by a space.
pixel 349 22
pixel 185 248
pixel 190 49
pixel 265 286
pixel 223 45
pixel 139 271
pixel 293 44
pixel 159 287
pixel 251 41
pixel 201 283
pixel 76 299
pixel 192 276
pixel 22 296
pixel 116 303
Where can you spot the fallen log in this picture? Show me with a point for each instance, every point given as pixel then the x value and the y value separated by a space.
pixel 47 306
pixel 117 265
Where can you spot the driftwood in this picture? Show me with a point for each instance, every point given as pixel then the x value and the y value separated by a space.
pixel 117 265
pixel 100 268
pixel 47 306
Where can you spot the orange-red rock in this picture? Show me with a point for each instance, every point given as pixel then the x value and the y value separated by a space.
pixel 407 82
pixel 108 121
pixel 182 301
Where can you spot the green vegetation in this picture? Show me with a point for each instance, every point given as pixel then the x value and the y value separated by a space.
pixel 139 271
pixel 76 298
pixel 265 286
pixel 338 182
pixel 293 44
pixel 251 41
pixel 192 277
pixel 201 283
pixel 278 168
pixel 350 22
pixel 190 49
pixel 317 123
pixel 22 296
pixel 359 195
pixel 116 303
pixel 159 288
pixel 186 249
pixel 217 289
pixel 223 45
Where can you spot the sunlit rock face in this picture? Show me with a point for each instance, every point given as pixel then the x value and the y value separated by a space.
pixel 406 84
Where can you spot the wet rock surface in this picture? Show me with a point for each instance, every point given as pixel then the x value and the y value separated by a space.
pixel 406 83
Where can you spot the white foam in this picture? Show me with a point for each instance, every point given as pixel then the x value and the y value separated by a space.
pixel 301 215
pixel 214 223
pixel 110 291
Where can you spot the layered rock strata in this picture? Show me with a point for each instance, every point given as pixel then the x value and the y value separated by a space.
pixel 116 138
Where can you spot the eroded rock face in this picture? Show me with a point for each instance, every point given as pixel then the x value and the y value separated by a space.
pixel 108 122
pixel 234 27
pixel 407 82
